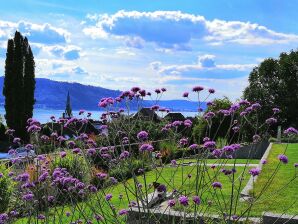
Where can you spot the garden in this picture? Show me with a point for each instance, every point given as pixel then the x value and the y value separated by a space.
pixel 143 170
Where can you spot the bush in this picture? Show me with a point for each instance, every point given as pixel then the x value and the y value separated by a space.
pixel 76 165
pixel 5 188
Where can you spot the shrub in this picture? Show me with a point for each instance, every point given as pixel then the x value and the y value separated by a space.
pixel 6 186
pixel 75 164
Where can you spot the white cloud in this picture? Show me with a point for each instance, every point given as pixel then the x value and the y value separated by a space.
pixel 36 33
pixel 174 29
pixel 206 68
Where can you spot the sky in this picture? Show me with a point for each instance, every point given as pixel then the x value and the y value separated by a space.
pixel 118 44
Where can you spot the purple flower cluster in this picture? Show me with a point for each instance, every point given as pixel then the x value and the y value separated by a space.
pixel 291 131
pixel 217 185
pixel 142 135
pixel 254 172
pixel 183 200
pixel 146 147
pixel 283 158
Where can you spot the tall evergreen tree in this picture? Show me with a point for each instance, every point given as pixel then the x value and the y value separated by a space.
pixel 19 84
pixel 8 85
pixel 29 81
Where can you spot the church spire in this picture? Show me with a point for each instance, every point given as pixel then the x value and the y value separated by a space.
pixel 68 110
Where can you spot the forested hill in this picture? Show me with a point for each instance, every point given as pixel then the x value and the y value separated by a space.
pixel 52 94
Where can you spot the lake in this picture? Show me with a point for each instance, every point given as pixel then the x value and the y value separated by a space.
pixel 43 115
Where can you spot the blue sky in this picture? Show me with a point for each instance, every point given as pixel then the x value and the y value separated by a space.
pixel 174 44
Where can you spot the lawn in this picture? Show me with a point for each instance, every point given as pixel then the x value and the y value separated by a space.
pixel 282 194
pixel 222 161
pixel 162 175
pixel 273 200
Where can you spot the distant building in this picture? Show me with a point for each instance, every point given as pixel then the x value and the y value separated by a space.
pixel 68 111
pixel 146 114
pixel 72 132
pixel 174 116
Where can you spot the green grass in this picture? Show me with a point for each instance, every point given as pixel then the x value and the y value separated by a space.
pixel 222 161
pixel 162 176
pixel 282 193
pixel 272 200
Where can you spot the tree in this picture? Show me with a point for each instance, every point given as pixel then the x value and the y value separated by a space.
pixel 220 125
pixel 29 81
pixel 19 84
pixel 274 83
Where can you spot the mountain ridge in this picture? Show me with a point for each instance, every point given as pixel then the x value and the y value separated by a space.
pixel 51 94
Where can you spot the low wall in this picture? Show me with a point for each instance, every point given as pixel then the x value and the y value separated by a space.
pixel 269 218
pixel 160 216
pixel 253 151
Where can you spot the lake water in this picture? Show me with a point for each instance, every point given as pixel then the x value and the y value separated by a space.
pixel 43 115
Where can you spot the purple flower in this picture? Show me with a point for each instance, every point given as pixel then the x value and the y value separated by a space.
pixel 43 177
pixel 209 144
pixel 3 218
pixel 187 123
pixel 108 197
pixel 174 162
pixel 255 106
pixel 183 200
pixel 183 141
pixel 208 115
pixel 98 217
pixel 296 165
pixel 24 177
pixel 197 88
pixel 217 185
pixel 113 180
pixel 254 171
pixel 256 138
pixel 102 176
pixel 123 212
pixel 271 121
pixel 16 140
pixel 124 155
pixel 135 89
pixel 142 135
pixel 276 110
pixel 146 147
pixel 91 151
pixel 27 197
pixel 157 91
pixel 290 131
pixel 264 161
pixel 185 94
pixel 211 91
pixel 176 123
pixel 62 154
pixel 171 203
pixel 76 150
pixel 41 217
pixel 283 158
pixel 193 146
pixel 161 188
pixel 196 200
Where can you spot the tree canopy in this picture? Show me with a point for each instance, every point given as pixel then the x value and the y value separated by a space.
pixel 274 83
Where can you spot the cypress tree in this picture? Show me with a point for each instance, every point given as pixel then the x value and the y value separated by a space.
pixel 19 84
pixel 29 81
pixel 18 90
pixel 8 85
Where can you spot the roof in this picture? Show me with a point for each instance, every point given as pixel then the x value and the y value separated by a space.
pixel 147 113
pixel 175 116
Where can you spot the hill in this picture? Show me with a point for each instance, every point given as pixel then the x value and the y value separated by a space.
pixel 52 94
